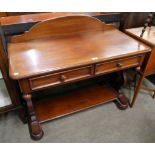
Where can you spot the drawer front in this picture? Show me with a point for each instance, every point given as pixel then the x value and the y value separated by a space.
pixel 59 78
pixel 117 65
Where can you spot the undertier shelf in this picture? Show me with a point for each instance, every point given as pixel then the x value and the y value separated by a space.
pixel 73 101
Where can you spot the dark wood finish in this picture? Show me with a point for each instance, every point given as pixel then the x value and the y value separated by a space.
pixel 9 108
pixel 74 101
pixel 19 24
pixel 40 17
pixel 3 14
pixel 134 19
pixel 36 131
pixel 20 13
pixel 72 26
pixel 118 65
pixel 13 21
pixel 69 49
pixel 97 41
pixel 149 39
pixel 29 18
pixel 10 84
pixel 122 102
pixel 62 77
pixel 148 23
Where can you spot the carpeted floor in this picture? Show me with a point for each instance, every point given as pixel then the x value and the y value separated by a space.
pixel 4 97
pixel 97 125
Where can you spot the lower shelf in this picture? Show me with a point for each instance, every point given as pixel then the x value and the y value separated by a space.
pixel 74 101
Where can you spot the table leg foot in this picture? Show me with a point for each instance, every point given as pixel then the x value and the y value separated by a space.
pixel 35 129
pixel 121 102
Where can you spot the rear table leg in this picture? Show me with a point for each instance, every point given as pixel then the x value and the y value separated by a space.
pixel 121 79
pixel 121 102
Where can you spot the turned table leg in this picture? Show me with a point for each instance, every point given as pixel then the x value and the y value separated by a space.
pixel 35 129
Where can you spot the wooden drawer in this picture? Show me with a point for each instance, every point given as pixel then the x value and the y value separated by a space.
pixel 117 65
pixel 59 78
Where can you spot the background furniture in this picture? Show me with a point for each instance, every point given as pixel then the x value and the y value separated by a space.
pixel 131 19
pixel 148 22
pixel 3 14
pixel 10 84
pixel 134 19
pixel 149 39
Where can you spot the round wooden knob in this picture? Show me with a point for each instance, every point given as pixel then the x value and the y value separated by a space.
pixel 63 78
pixel 119 65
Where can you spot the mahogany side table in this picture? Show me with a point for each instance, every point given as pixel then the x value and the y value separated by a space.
pixel 66 50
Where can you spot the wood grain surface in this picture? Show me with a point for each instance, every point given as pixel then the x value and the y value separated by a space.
pixel 73 41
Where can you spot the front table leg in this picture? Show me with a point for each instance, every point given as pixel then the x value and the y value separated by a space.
pixel 35 129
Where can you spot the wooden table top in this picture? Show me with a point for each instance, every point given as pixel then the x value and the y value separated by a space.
pixel 77 41
pixel 148 36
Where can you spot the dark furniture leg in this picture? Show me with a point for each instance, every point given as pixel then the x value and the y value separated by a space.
pixel 35 129
pixel 121 79
pixel 121 102
pixel 22 115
